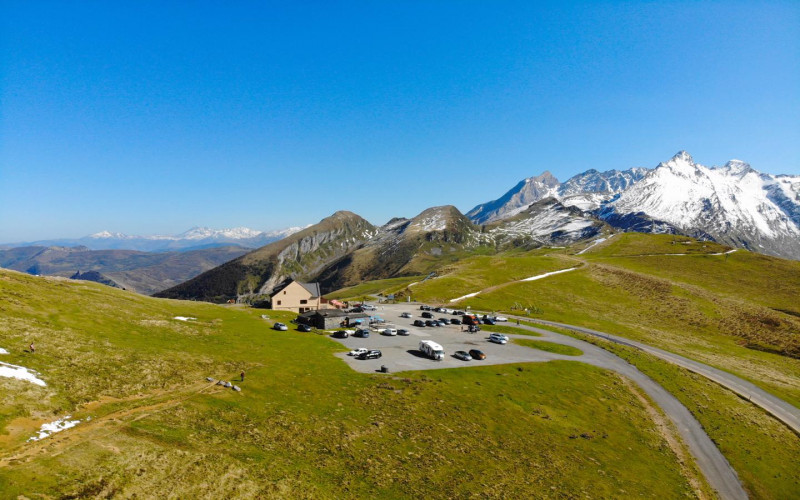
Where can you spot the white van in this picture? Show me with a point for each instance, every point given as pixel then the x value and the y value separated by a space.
pixel 431 349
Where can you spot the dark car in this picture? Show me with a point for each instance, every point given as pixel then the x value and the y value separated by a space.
pixel 442 322
pixel 427 314
pixel 488 321
pixel 477 354
pixel 340 334
pixel 402 332
pixel 419 323
pixel 431 323
pixel 455 321
pixel 302 327
pixel 371 354
pixel 363 334
pixel 446 321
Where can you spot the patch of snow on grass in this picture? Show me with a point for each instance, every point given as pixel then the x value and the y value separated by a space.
pixel 465 296
pixel 53 427
pixel 725 253
pixel 3 351
pixel 545 275
pixel 184 318
pixel 596 242
pixel 21 373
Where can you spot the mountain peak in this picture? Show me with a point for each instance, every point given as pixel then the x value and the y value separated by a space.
pixel 683 156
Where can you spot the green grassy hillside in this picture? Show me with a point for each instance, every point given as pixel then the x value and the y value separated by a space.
pixel 304 425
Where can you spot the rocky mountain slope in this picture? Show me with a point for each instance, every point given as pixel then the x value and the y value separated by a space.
pixel 143 272
pixel 303 255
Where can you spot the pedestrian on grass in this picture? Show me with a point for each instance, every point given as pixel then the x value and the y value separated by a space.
pixel 242 375
pixel 33 349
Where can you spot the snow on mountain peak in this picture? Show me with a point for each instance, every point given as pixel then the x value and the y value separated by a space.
pixel 107 234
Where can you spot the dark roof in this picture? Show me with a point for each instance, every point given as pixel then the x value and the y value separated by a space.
pixel 312 288
pixel 333 313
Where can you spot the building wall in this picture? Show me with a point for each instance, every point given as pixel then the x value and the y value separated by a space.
pixel 295 298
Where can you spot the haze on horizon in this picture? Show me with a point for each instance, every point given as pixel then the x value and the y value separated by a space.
pixel 150 119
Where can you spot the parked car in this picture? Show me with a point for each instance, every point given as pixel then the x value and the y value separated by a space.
pixel 424 308
pixel 420 323
pixel 455 321
pixel 427 314
pixel 462 355
pixel 498 338
pixel 391 332
pixel 442 322
pixel 458 313
pixel 302 327
pixel 368 307
pixel 405 315
pixel 358 352
pixel 340 334
pixel 430 322
pixel 402 332
pixel 280 327
pixel 446 321
pixel 488 321
pixel 361 333
pixel 500 318
pixel 477 354
pixel 473 329
pixel 371 354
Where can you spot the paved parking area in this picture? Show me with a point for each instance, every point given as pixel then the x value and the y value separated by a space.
pixel 400 353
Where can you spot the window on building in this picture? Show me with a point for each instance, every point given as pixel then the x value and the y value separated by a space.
pixel 303 301
pixel 279 302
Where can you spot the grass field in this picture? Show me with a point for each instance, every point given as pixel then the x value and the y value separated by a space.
pixel 763 451
pixel 304 425
pixel 384 287
pixel 542 345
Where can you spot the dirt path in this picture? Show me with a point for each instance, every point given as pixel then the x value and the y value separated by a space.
pixel 105 425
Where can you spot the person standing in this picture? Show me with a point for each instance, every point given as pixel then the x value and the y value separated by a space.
pixel 242 375
pixel 33 349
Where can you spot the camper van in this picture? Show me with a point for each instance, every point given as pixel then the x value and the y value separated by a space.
pixel 432 350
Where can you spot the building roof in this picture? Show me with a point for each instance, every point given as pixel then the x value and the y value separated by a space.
pixel 333 313
pixel 312 288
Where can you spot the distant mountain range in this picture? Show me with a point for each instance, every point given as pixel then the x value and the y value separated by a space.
pixel 732 204
pixel 193 239
pixel 143 272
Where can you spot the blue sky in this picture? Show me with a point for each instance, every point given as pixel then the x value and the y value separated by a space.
pixel 152 117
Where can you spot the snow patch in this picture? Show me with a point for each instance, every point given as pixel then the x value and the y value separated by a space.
pixel 3 351
pixel 596 242
pixel 184 318
pixel 545 275
pixel 53 427
pixel 465 296
pixel 20 373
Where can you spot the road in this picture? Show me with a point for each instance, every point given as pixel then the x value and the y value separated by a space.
pixel 780 409
pixel 399 354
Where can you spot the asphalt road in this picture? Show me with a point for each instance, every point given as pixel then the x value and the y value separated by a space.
pixel 400 353
pixel 780 409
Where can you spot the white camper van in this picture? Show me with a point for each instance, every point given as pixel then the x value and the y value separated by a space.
pixel 432 350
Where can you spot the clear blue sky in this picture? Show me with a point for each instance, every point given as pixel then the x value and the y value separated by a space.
pixel 151 117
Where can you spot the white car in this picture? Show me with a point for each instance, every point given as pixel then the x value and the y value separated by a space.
pixel 500 318
pixel 357 352
pixel 280 327
pixel 405 315
pixel 498 338
pixel 391 332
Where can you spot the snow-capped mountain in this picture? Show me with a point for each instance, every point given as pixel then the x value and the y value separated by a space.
pixel 546 222
pixel 520 196
pixel 732 204
pixel 194 238
pixel 599 186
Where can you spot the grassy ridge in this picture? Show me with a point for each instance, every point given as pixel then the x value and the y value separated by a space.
pixel 566 350
pixel 304 424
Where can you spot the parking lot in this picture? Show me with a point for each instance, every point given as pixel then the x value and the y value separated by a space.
pixel 400 353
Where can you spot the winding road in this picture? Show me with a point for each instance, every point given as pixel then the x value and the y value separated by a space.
pixel 714 466
pixel 778 408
